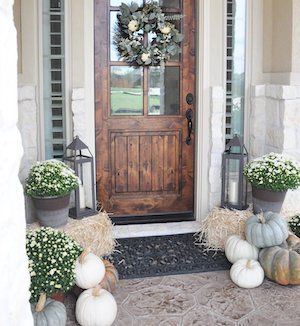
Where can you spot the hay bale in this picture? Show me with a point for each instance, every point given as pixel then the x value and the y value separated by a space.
pixel 94 232
pixel 219 224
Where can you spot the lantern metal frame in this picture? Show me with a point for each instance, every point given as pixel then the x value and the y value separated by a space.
pixel 77 160
pixel 235 187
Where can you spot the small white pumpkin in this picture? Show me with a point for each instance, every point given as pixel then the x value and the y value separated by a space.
pixel 247 273
pixel 89 270
pixel 237 248
pixel 96 306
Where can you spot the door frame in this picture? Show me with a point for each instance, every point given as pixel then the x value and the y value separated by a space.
pixel 202 96
pixel 173 200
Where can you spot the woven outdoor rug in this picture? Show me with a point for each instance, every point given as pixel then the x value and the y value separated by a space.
pixel 165 255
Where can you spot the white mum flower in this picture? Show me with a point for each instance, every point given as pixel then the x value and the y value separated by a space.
pixel 52 271
pixel 133 25
pixel 165 29
pixel 145 56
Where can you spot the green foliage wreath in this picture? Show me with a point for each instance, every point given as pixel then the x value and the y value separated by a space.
pixel 134 23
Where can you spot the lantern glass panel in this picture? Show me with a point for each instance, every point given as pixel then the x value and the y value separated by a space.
pixel 85 190
pixel 232 181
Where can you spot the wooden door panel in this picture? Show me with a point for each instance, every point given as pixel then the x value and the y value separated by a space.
pixel 144 167
pixel 145 162
pixel 133 165
pixel 158 165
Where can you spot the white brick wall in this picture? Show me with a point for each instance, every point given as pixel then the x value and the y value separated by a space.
pixel 14 280
pixel 275 126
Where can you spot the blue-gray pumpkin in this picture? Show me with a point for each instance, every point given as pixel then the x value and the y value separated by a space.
pixel 266 230
pixel 48 312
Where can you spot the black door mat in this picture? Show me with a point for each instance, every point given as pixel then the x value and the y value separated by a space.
pixel 165 255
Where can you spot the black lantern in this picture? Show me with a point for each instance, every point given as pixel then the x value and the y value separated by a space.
pixel 83 165
pixel 234 184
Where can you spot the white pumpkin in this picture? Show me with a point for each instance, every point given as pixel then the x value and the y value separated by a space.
pixel 247 273
pixel 96 306
pixel 237 248
pixel 89 270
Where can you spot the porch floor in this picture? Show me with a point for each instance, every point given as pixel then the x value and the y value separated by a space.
pixel 207 299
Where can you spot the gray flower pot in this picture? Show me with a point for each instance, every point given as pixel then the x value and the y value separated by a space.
pixel 52 211
pixel 267 200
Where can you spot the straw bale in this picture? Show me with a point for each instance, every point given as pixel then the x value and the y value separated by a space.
pixel 219 224
pixel 93 232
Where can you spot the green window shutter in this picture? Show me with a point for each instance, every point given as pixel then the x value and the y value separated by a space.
pixel 54 78
pixel 235 67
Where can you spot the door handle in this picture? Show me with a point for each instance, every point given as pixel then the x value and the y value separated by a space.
pixel 189 117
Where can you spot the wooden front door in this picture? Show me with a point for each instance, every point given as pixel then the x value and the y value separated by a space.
pixel 144 118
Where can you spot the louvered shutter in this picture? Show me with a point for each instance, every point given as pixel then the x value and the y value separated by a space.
pixel 54 78
pixel 235 67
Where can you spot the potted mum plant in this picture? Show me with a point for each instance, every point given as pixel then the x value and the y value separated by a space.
pixel 49 184
pixel 294 224
pixel 270 177
pixel 51 259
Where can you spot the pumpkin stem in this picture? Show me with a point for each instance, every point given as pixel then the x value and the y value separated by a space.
pixel 248 264
pixel 41 303
pixel 96 290
pixel 261 218
pixel 83 255
pixel 243 236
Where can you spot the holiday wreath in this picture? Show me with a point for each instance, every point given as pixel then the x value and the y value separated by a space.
pixel 144 35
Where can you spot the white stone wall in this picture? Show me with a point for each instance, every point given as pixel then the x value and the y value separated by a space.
pixel 27 123
pixel 275 127
pixel 217 145
pixel 79 114
pixel 14 280
pixel 82 130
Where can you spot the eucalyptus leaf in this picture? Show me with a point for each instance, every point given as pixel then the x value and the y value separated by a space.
pixel 178 38
pixel 134 7
pixel 172 49
pixel 147 28
pixel 124 9
pixel 152 16
pixel 138 14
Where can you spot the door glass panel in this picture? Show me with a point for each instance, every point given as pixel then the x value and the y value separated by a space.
pixel 113 51
pixel 164 90
pixel 170 3
pixel 126 92
pixel 128 2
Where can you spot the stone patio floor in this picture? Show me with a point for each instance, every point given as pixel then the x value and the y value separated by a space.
pixel 207 299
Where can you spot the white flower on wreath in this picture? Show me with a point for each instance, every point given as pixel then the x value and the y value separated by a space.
pixel 133 25
pixel 165 29
pixel 145 56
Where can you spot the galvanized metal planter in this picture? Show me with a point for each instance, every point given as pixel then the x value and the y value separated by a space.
pixel 52 211
pixel 267 200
